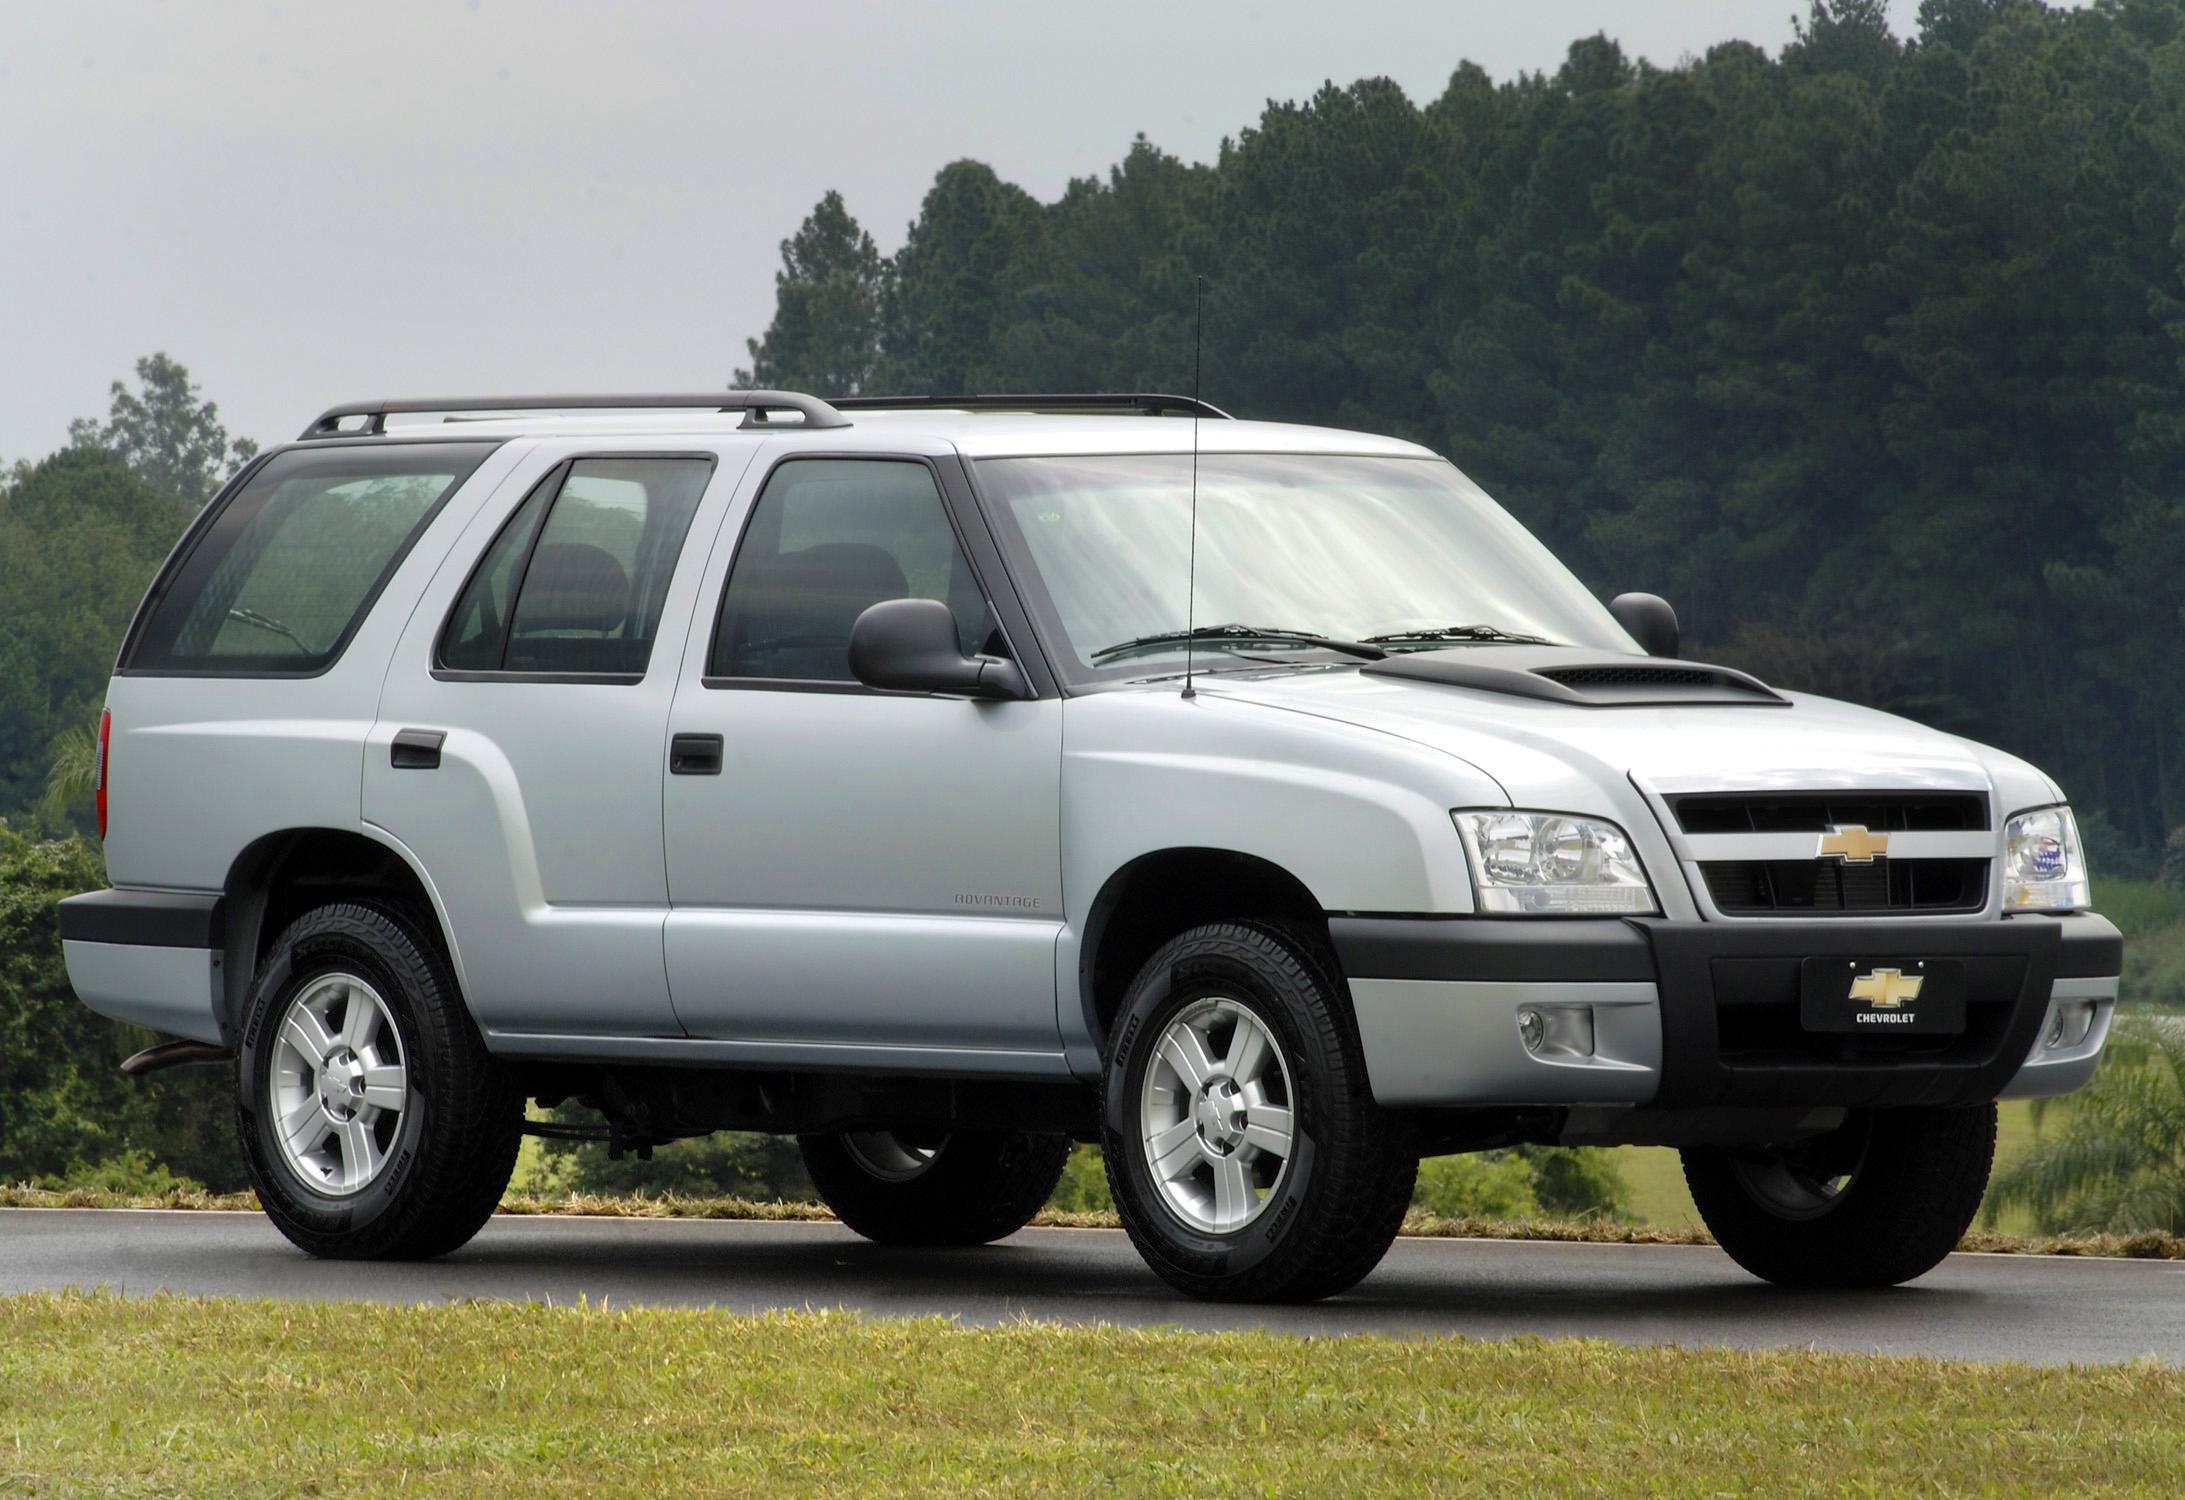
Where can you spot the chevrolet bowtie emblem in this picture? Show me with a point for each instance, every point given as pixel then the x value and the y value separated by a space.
pixel 1886 989
pixel 1851 843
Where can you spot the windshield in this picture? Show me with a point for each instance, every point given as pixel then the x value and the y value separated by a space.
pixel 1403 551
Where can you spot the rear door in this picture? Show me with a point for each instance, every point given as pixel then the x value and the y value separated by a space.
pixel 858 876
pixel 519 745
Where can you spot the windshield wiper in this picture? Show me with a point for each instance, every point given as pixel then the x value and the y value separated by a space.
pixel 267 622
pixel 1235 632
pixel 1446 633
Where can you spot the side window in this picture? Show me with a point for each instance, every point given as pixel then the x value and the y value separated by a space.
pixel 827 540
pixel 576 579
pixel 477 632
pixel 279 579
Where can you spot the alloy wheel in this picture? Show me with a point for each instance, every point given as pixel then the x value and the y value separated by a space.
pixel 1215 1114
pixel 340 1084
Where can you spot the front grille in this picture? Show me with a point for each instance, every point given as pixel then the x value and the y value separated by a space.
pixel 1824 887
pixel 1817 812
pixel 1831 887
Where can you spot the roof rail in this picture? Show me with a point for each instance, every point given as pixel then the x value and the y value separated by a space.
pixel 753 404
pixel 1145 403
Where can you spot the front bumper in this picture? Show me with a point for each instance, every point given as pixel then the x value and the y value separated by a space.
pixel 1699 1014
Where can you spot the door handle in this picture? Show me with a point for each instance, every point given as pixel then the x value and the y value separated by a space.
pixel 416 749
pixel 694 755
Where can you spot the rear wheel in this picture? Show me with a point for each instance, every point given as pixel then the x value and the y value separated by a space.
pixel 964 1187
pixel 373 1121
pixel 1246 1156
pixel 1878 1202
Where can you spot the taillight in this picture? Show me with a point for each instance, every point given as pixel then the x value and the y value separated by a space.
pixel 106 730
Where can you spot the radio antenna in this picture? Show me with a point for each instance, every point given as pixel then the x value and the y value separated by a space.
pixel 1191 568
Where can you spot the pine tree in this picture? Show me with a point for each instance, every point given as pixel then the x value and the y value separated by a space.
pixel 826 330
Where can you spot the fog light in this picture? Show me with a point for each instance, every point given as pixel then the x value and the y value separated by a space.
pixel 2071 1023
pixel 1533 1031
pixel 1556 1030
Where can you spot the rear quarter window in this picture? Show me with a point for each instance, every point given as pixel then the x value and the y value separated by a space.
pixel 278 579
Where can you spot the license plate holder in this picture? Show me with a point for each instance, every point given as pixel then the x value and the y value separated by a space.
pixel 1883 996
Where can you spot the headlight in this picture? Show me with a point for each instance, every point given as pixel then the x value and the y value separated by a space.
pixel 1549 864
pixel 2044 868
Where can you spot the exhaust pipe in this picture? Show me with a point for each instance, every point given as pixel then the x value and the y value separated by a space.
pixel 175 1054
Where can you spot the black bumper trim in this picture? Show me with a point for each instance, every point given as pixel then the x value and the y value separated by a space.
pixel 1729 993
pixel 2092 946
pixel 143 919
pixel 1729 997
pixel 1561 950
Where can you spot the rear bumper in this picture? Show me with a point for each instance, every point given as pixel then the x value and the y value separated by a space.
pixel 152 958
pixel 1693 1014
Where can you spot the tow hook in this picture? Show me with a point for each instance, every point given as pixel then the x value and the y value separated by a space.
pixel 175 1054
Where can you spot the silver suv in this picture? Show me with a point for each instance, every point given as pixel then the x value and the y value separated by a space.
pixel 944 781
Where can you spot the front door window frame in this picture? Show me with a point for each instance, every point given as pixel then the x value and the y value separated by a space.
pixel 973 538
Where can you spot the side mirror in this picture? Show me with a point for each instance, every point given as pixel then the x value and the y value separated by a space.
pixel 910 646
pixel 1647 619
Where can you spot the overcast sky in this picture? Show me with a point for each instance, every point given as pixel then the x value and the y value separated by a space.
pixel 310 202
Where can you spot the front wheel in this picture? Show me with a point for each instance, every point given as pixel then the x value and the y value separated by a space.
pixel 373 1120
pixel 1878 1202
pixel 1246 1155
pixel 966 1187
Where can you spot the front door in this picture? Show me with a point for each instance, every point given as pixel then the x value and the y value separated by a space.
pixel 857 876
pixel 518 751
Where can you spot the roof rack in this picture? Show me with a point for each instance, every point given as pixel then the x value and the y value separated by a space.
pixel 1145 403
pixel 755 405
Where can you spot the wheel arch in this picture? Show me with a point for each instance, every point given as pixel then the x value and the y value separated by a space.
pixel 1158 894
pixel 280 875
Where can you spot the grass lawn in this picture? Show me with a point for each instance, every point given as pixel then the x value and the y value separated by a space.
pixel 1655 1176
pixel 248 1398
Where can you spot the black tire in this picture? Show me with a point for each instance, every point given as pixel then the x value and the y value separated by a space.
pixel 973 1187
pixel 453 1145
pixel 1916 1177
pixel 1331 1213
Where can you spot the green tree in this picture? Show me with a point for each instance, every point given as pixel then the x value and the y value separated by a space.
pixel 80 537
pixel 2117 1160
pixel 1103 299
pixel 59 1102
pixel 825 335
pixel 948 296
pixel 1870 354
pixel 72 775
pixel 63 1103
pixel 1844 36
pixel 164 434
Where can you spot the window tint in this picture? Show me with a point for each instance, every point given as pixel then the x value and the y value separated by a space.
pixel 576 580
pixel 278 580
pixel 828 539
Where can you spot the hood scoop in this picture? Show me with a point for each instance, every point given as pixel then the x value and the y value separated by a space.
pixel 1583 679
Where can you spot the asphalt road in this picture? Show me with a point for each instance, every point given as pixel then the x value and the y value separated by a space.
pixel 1984 1307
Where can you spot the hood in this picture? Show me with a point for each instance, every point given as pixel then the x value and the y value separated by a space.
pixel 1563 756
